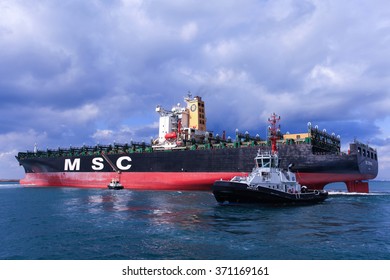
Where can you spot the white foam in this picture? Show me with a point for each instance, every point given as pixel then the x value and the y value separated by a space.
pixel 334 192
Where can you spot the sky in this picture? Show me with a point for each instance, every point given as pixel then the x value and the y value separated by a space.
pixel 84 72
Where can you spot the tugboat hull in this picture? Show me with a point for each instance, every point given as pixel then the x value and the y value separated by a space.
pixel 234 192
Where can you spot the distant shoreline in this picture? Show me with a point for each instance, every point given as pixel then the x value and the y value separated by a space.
pixel 9 180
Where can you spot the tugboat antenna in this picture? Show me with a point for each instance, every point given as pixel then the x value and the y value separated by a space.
pixel 273 132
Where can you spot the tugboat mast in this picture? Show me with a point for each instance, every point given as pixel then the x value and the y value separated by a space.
pixel 273 132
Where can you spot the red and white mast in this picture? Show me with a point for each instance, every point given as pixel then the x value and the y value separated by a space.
pixel 273 131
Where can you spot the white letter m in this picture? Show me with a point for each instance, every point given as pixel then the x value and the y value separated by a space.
pixel 71 166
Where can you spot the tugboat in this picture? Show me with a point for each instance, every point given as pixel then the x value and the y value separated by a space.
pixel 115 185
pixel 267 183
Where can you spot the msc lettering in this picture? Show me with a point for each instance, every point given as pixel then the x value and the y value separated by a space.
pixel 98 163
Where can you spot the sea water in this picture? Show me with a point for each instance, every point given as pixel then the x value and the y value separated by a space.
pixel 77 224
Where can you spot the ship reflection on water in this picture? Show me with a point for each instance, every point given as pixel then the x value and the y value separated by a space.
pixel 157 208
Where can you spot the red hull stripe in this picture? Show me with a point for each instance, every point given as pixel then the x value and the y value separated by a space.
pixel 318 179
pixel 133 180
pixel 166 180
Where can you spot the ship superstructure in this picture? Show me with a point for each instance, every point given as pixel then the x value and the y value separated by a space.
pixel 181 124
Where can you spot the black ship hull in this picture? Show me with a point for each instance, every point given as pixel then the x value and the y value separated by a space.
pixel 194 169
pixel 234 192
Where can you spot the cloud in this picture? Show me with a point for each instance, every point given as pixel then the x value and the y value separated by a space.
pixel 126 134
pixel 189 31
pixel 80 72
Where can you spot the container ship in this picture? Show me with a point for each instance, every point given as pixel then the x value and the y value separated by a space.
pixel 185 156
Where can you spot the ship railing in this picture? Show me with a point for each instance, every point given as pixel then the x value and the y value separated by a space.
pixel 242 140
pixel 289 141
pixel 238 178
pixel 364 145
pixel 87 150
pixel 240 137
pixel 246 137
pixel 364 150
pixel 134 147
pixel 22 155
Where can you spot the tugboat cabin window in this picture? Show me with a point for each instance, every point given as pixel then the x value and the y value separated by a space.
pixel 266 162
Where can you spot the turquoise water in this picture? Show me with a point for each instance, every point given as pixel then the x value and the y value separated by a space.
pixel 71 223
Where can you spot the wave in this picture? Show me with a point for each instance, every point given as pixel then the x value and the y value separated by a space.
pixel 339 193
pixel 9 186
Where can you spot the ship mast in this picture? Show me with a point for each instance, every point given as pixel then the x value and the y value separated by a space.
pixel 273 131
